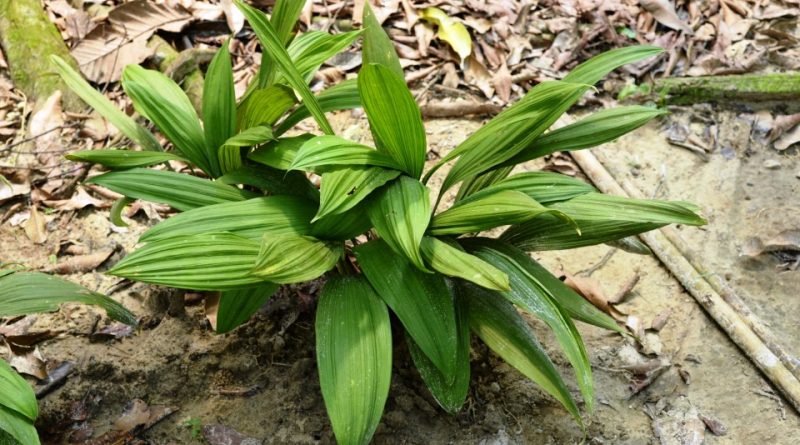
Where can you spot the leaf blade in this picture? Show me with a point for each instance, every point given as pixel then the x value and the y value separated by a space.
pixel 287 259
pixel 123 158
pixel 449 259
pixel 237 306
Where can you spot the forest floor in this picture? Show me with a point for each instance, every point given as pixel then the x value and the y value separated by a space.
pixel 685 384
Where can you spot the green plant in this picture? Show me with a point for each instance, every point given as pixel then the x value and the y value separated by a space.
pixel 24 293
pixel 371 226
pixel 195 427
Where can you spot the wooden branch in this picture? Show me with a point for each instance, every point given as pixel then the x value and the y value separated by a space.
pixel 745 87
pixel 28 39
pixel 714 295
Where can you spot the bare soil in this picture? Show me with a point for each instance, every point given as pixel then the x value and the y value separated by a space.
pixel 261 379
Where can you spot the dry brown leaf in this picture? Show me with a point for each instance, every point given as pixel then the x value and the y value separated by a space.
pixel 212 307
pixel 478 76
pixel 206 11
pixel 786 241
pixel 785 131
pixel 136 413
pixel 29 362
pixel 223 435
pixel 233 16
pixel 78 201
pixel 35 227
pixel 109 47
pixel 664 12
pixel 44 124
pixel 81 263
pixel 451 79
pixel 502 82
pixel 9 190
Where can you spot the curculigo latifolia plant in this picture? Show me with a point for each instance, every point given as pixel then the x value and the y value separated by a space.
pixel 370 227
pixel 23 293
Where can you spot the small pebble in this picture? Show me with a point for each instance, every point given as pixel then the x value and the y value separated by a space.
pixel 772 164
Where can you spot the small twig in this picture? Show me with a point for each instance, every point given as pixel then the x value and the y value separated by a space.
pixel 589 271
pixel 459 108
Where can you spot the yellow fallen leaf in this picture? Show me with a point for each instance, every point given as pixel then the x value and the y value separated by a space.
pixel 450 30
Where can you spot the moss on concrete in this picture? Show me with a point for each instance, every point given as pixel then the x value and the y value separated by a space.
pixel 28 39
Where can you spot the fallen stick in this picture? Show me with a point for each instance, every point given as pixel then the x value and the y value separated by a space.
pixel 458 108
pixel 745 87
pixel 730 313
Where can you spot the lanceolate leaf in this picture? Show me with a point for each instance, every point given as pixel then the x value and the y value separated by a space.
pixel 123 158
pixel 544 187
pixel 512 130
pixel 250 137
pixel 530 294
pixel 182 192
pixel 219 100
pixel 449 259
pixel 279 153
pixel 394 117
pixel 342 226
pixel 594 69
pixel 16 393
pixel 287 259
pixel 271 180
pixel 265 106
pixel 343 188
pixel 475 184
pixel 501 327
pixel 488 211
pixel 209 261
pixel 596 129
pixel 600 218
pixel 377 47
pixel 324 151
pixel 342 96
pixel 566 299
pixel 275 215
pixel 24 293
pixel 449 394
pixel 124 123
pixel 18 427
pixel 238 305
pixel 160 99
pixel 354 356
pixel 422 302
pixel 284 17
pixel 309 50
pixel 273 45
pixel 400 214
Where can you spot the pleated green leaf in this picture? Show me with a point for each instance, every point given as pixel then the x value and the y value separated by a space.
pixel 287 259
pixel 354 356
pixel 238 305
pixel 534 273
pixel 544 187
pixel 115 212
pixel 394 117
pixel 531 295
pixel 273 45
pixel 342 226
pixel 263 107
pixel 342 96
pixel 449 259
pixel 344 188
pixel 209 261
pixel 121 159
pixel 279 153
pixel 159 99
pixel 511 131
pixel 323 151
pixel 180 191
pixel 309 50
pixel 284 17
pixel 472 185
pixel 598 128
pixel 274 181
pixel 488 211
pixel 550 233
pixel 251 137
pixel 219 100
pixel 16 393
pixel 23 293
pixel 273 215
pixel 449 394
pixel 124 123
pixel 516 128
pixel 18 427
pixel 400 214
pixel 377 47
pixel 422 302
pixel 594 69
pixel 504 331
